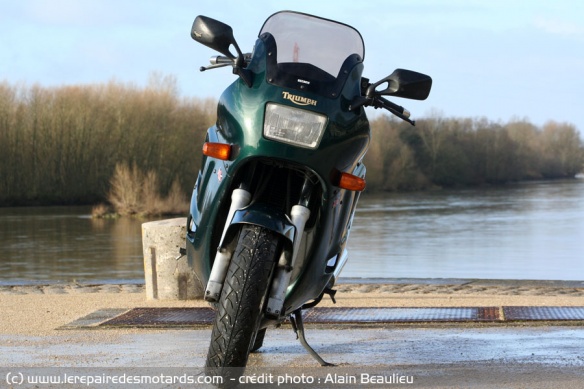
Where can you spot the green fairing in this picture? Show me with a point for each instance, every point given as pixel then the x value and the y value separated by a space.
pixel 240 123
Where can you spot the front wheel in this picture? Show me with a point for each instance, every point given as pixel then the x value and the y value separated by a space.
pixel 241 303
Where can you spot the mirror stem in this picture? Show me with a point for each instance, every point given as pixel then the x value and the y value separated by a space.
pixel 244 74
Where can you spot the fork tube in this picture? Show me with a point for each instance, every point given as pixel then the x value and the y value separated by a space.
pixel 299 215
pixel 239 199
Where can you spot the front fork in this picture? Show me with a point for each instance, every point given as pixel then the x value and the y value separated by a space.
pixel 299 215
pixel 239 199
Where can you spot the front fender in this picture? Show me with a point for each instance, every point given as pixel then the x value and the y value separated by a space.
pixel 264 216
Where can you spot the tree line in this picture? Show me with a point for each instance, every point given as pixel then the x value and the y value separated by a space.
pixel 61 145
pixel 449 152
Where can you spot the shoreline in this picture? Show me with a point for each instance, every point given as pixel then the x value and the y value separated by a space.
pixel 360 285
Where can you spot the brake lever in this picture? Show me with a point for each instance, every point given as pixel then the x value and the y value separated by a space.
pixel 397 110
pixel 214 66
pixel 380 102
pixel 401 116
pixel 219 61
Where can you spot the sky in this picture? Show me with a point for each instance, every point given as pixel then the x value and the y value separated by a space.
pixel 501 60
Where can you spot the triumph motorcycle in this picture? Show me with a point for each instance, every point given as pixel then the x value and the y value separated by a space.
pixel 281 174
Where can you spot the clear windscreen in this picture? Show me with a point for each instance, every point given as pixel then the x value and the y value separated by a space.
pixel 307 39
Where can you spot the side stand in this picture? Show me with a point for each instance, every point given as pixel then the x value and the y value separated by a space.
pixel 298 326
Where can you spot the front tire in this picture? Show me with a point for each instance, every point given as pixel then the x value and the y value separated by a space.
pixel 241 303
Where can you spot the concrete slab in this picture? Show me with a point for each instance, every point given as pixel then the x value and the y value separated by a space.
pixel 515 357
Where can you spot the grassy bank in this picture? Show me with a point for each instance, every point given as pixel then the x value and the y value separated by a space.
pixel 137 193
pixel 62 145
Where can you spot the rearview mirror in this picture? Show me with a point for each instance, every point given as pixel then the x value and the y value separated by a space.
pixel 403 83
pixel 214 34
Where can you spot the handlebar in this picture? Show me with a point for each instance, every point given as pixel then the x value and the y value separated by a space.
pixel 380 102
pixel 393 107
pixel 219 61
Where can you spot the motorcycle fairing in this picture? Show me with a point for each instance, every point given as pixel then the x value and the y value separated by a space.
pixel 240 121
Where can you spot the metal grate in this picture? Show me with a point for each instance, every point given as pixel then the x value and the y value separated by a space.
pixel 543 313
pixel 404 315
pixel 162 317
pixel 185 317
pixel 182 317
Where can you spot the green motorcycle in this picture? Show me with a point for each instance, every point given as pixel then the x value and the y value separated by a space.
pixel 282 171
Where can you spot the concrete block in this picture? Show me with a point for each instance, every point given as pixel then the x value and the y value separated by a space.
pixel 167 273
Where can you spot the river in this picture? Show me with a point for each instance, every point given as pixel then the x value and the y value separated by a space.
pixel 532 230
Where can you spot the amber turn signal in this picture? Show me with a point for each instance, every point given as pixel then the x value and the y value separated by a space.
pixel 351 182
pixel 217 150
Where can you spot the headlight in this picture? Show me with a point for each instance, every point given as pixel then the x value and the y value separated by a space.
pixel 294 126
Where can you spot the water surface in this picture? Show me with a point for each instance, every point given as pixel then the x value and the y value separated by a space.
pixel 65 244
pixel 526 231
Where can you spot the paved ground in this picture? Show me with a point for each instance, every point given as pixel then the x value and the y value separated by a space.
pixel 437 356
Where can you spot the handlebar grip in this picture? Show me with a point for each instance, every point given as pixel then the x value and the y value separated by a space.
pixel 220 60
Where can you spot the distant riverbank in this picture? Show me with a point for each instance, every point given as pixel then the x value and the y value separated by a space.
pixel 61 145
